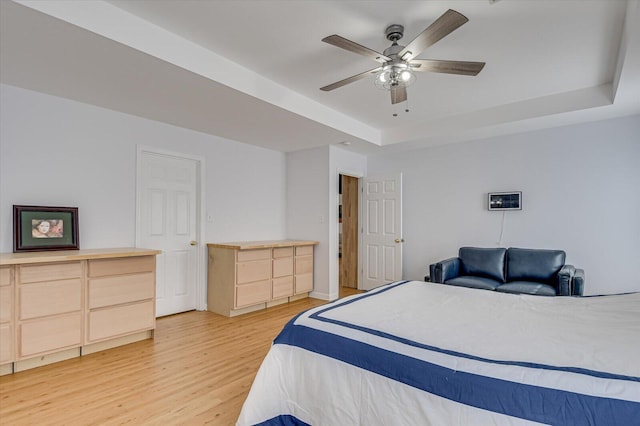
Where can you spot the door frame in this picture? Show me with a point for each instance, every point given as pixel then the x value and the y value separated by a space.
pixel 336 249
pixel 201 249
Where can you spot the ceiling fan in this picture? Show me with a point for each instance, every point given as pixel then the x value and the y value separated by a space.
pixel 398 63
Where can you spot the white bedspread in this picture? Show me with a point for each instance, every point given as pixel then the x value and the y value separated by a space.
pixel 415 353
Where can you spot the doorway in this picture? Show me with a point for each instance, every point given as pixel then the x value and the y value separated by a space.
pixel 382 238
pixel 168 219
pixel 348 234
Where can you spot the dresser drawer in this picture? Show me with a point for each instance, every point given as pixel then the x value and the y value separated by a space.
pixel 121 320
pixel 125 265
pixel 304 250
pixel 50 334
pixel 6 299
pixel 283 252
pixel 109 291
pixel 50 272
pixel 245 255
pixel 6 344
pixel 304 265
pixel 282 287
pixel 304 283
pixel 257 270
pixel 50 298
pixel 254 293
pixel 5 276
pixel 282 267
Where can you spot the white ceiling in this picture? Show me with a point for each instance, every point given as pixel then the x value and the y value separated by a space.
pixel 251 70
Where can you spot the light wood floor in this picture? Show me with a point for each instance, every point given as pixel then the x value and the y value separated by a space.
pixel 197 370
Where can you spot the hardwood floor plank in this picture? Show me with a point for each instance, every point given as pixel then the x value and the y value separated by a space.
pixel 198 369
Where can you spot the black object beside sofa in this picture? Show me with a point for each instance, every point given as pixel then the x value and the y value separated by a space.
pixel 512 270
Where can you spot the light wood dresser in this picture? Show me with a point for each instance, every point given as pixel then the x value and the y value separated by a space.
pixel 62 304
pixel 250 275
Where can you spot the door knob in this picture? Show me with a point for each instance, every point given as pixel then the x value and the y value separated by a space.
pixel 193 243
pixel 399 240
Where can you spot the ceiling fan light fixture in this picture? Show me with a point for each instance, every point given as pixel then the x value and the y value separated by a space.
pixel 399 63
pixel 405 76
pixel 394 75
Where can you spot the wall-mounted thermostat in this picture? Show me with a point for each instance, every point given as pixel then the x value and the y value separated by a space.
pixel 505 200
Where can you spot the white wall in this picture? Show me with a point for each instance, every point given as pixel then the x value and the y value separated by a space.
pixel 63 153
pixel 580 187
pixel 308 212
pixel 352 164
pixel 312 207
pixel 581 193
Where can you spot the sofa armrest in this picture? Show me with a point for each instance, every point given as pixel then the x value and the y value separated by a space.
pixel 577 287
pixel 564 279
pixel 445 270
pixel 431 272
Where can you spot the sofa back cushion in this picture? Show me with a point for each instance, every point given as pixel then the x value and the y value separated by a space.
pixel 534 265
pixel 482 262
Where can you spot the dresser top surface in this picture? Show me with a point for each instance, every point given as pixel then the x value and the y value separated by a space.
pixel 69 255
pixel 249 245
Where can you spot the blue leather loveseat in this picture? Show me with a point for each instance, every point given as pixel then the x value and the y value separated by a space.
pixel 513 270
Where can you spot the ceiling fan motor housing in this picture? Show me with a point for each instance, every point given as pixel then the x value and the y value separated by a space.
pixel 393 50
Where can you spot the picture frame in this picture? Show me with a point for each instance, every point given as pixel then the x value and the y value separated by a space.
pixel 42 228
pixel 505 200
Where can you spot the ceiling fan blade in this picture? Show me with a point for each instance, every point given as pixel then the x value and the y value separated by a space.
pixel 447 67
pixel 398 94
pixel 349 80
pixel 440 28
pixel 354 47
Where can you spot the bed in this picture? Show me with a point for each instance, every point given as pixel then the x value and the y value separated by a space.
pixel 416 353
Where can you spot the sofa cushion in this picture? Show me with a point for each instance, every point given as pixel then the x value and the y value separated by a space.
pixel 474 282
pixel 534 265
pixel 527 287
pixel 482 262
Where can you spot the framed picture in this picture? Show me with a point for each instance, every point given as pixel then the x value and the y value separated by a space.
pixel 38 228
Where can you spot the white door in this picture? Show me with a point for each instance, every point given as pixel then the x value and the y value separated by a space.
pixel 167 220
pixel 382 231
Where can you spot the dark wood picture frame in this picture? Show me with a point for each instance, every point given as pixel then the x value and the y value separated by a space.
pixel 42 228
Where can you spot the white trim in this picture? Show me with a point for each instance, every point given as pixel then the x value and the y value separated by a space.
pixel 201 253
pixel 360 224
pixel 322 296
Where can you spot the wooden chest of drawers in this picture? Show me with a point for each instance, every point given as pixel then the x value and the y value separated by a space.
pixel 56 305
pixel 247 276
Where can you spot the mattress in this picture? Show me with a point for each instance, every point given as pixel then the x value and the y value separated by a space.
pixel 416 353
